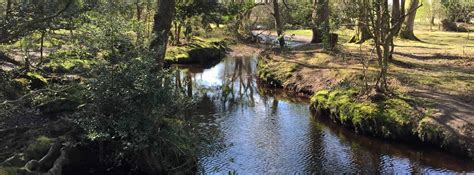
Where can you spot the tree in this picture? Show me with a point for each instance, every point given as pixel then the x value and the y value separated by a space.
pixel 320 18
pixel 408 26
pixel 383 28
pixel 362 34
pixel 161 29
pixel 278 22
pixel 22 19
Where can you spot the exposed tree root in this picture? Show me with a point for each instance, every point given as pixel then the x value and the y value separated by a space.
pixel 51 164
pixel 409 36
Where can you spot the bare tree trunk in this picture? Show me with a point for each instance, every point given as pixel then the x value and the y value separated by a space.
pixel 384 29
pixel 407 29
pixel 432 22
pixel 320 18
pixel 279 24
pixel 139 18
pixel 43 33
pixel 161 28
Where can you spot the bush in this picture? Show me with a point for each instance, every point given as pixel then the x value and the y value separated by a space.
pixel 140 115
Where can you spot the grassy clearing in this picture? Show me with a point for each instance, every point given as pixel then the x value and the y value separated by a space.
pixel 344 34
pixel 430 81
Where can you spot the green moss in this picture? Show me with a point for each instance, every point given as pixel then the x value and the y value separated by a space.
pixel 386 118
pixel 429 131
pixel 198 51
pixel 36 80
pixel 67 61
pixel 23 82
pixel 38 148
pixel 399 111
pixel 8 170
pixel 177 54
pixel 275 74
pixel 38 76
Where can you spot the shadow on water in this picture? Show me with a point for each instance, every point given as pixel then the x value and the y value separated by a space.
pixel 261 130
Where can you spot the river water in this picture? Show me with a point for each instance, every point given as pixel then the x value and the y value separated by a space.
pixel 260 130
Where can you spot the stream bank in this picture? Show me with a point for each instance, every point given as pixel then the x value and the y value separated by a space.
pixel 333 80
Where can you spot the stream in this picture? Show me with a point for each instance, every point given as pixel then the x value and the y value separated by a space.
pixel 261 130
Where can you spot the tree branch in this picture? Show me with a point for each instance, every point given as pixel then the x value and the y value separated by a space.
pixel 29 26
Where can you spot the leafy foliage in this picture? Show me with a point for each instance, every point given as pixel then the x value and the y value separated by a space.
pixel 298 14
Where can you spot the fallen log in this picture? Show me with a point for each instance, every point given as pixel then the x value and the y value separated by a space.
pixel 6 58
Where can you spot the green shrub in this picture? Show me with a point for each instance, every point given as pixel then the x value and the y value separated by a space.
pixel 140 115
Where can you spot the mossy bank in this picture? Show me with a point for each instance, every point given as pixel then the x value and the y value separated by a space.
pixel 199 51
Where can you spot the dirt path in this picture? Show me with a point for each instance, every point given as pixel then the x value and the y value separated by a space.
pixel 452 113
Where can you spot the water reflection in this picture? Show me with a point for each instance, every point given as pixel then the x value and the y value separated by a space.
pixel 260 130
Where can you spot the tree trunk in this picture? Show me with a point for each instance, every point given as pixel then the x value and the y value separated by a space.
pixel 279 24
pixel 396 12
pixel 8 9
pixel 363 33
pixel 432 16
pixel 161 28
pixel 43 33
pixel 320 19
pixel 398 16
pixel 407 29
pixel 139 18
